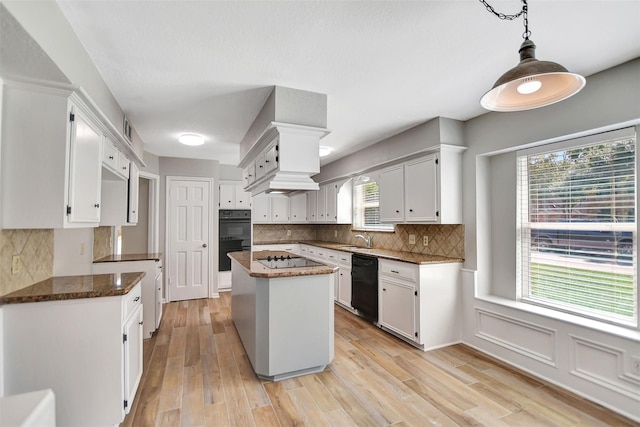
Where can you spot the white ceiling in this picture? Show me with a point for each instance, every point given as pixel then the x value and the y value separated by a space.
pixel 208 66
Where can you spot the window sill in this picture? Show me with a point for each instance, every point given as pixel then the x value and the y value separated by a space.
pixel 631 332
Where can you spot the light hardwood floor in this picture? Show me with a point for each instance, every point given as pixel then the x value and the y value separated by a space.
pixel 197 374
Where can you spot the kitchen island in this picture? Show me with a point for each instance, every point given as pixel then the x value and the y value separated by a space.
pixel 284 315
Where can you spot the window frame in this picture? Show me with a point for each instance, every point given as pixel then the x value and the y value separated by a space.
pixel 356 224
pixel 524 226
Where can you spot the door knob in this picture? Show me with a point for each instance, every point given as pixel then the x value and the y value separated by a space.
pixel 204 245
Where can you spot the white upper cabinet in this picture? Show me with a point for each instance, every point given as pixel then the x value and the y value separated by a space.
pixel 332 203
pixel 227 196
pixel 51 159
pixel 243 198
pixel 424 190
pixel 391 184
pixel 279 209
pixel 420 195
pixel 312 206
pixel 134 191
pixel 270 209
pixel 85 173
pixel 232 196
pixel 298 208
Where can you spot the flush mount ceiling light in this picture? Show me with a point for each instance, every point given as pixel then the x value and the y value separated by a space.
pixel 324 151
pixel 532 83
pixel 190 139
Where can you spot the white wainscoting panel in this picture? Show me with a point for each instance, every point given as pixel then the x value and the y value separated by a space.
pixel 602 365
pixel 528 339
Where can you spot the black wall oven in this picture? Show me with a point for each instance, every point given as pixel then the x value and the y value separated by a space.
pixel 234 234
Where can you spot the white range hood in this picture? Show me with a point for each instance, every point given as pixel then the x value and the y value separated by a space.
pixel 280 151
pixel 283 159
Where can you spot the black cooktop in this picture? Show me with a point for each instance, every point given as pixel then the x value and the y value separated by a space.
pixel 288 261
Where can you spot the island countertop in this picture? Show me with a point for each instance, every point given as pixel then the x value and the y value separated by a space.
pixel 410 257
pixel 75 287
pixel 130 257
pixel 248 261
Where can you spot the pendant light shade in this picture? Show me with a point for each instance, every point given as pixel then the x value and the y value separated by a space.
pixel 531 84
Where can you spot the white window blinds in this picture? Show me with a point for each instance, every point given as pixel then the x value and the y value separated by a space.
pixel 366 206
pixel 577 227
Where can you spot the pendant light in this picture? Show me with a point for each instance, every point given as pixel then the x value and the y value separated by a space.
pixel 532 83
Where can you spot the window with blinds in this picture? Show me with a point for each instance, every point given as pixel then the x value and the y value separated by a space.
pixel 366 206
pixel 577 228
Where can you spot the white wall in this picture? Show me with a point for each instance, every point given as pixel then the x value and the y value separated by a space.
pixel 587 357
pixel 72 251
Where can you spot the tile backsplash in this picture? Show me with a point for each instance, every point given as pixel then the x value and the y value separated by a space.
pixel 35 248
pixel 102 238
pixel 445 240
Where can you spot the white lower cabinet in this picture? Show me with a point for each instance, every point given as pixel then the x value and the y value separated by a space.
pixel 151 287
pixel 420 303
pixel 342 282
pixel 132 340
pixel 397 311
pixel 344 287
pixel 88 351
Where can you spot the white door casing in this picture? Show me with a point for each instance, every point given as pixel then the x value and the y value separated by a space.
pixel 189 231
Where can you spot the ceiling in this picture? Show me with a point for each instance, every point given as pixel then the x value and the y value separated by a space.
pixel 208 66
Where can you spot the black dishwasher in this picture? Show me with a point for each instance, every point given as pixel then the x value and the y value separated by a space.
pixel 364 286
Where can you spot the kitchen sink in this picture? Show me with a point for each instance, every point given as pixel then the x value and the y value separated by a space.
pixel 356 248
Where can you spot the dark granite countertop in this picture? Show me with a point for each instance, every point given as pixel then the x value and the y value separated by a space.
pixel 248 262
pixel 130 257
pixel 75 287
pixel 410 257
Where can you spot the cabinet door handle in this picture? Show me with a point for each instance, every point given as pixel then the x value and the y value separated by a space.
pixel 397 211
pixel 136 299
pixel 410 210
pixel 266 161
pixel 110 157
pixel 124 168
pixel 384 289
pixel 97 205
pixel 140 323
pixel 394 271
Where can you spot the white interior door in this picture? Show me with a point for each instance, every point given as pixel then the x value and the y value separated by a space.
pixel 188 225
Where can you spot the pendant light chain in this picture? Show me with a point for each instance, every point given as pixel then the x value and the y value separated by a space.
pixel 524 11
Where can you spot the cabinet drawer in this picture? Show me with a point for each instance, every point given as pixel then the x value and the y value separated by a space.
pixel 304 250
pixel 332 257
pixel 344 259
pixel 398 269
pixel 132 300
pixel 321 253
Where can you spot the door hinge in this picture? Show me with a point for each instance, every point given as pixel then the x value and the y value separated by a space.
pixel 126 403
pixel 415 293
pixel 72 117
pixel 437 213
pixel 436 160
pixel 416 334
pixel 124 337
pixel 68 210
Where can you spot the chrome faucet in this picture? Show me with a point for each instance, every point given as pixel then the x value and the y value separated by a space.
pixel 366 238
